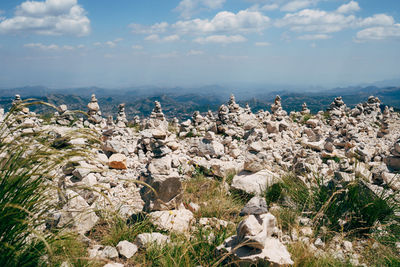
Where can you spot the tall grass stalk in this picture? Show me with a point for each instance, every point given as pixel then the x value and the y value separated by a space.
pixel 28 166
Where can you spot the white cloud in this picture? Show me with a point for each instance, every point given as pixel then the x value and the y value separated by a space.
pixel 114 43
pixel 51 17
pixel 262 44
pixel 377 20
pixel 309 20
pixel 297 4
pixel 152 37
pixel 167 55
pixel 153 29
pixel 137 47
pixel 171 38
pixel 314 37
pixel 269 7
pixel 157 38
pixel 323 22
pixel 379 33
pixel 97 44
pixel 220 39
pixel 189 7
pixel 225 22
pixel 68 47
pixel 229 57
pixel 350 7
pixel 195 53
pixel 53 46
pixel 42 46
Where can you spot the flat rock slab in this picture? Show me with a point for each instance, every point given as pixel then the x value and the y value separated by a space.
pixel 254 183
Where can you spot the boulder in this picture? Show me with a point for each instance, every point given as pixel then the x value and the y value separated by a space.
pixel 165 192
pixel 393 163
pixel 126 249
pixel 255 244
pixel 160 166
pixel 117 161
pixel 109 252
pixel 172 220
pixel 211 148
pixel 254 183
pixel 255 206
pixel 151 239
pixel 77 213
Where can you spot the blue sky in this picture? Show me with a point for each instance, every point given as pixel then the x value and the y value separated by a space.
pixel 120 43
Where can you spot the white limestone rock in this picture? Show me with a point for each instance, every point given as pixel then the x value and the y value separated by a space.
pixel 151 239
pixel 126 249
pixel 172 220
pixel 254 183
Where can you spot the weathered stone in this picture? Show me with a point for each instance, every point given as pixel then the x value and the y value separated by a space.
pixel 165 192
pixel 126 249
pixel 77 213
pixel 255 206
pixel 254 183
pixel 254 242
pixel 172 220
pixel 160 165
pixel 151 239
pixel 117 161
pixel 109 252
pixel 211 148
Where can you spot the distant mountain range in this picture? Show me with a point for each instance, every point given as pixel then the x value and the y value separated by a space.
pixel 182 102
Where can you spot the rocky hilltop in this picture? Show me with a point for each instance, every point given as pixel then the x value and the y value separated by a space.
pixel 144 167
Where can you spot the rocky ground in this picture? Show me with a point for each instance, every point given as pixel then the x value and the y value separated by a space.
pixel 155 171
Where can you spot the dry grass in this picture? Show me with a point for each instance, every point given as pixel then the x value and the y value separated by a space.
pixel 214 199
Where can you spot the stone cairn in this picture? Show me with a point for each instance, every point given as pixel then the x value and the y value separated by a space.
pixel 304 109
pixel 17 100
pixel 94 112
pixel 157 118
pixel 63 116
pixel 157 112
pixel 393 161
pixel 110 121
pixel 121 117
pixel 276 109
pixel 256 240
pixel 384 130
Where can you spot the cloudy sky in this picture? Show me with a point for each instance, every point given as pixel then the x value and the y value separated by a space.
pixel 64 43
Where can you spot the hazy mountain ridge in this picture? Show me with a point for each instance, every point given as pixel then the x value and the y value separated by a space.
pixel 182 102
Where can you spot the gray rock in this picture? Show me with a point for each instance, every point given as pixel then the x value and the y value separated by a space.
pixel 254 183
pixel 109 252
pixel 151 239
pixel 256 206
pixel 165 192
pixel 126 249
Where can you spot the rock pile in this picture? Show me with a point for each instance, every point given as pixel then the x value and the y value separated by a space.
pixel 94 113
pixel 253 150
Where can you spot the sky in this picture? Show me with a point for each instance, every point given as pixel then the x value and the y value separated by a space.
pixel 124 43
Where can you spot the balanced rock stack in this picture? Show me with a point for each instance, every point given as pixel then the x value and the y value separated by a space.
pixel 276 109
pixel 17 100
pixel 393 161
pixel 157 118
pixel 94 112
pixel 384 130
pixel 304 109
pixel 121 117
pixel 63 116
pixel 256 241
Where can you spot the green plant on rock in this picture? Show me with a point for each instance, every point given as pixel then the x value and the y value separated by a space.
pixel 199 249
